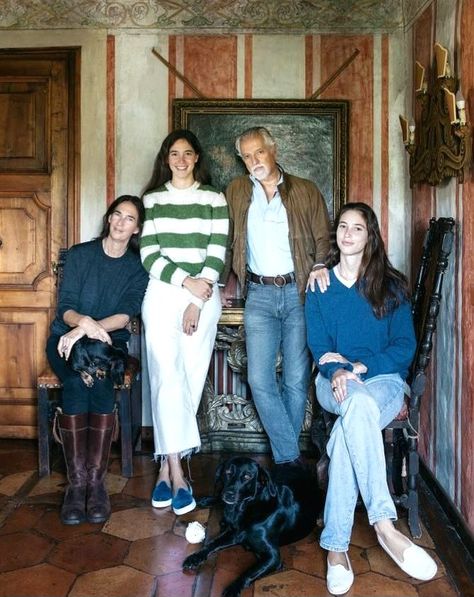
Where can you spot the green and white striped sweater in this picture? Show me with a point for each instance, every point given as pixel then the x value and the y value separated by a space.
pixel 185 233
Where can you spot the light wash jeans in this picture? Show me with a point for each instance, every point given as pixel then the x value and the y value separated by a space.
pixel 356 452
pixel 274 321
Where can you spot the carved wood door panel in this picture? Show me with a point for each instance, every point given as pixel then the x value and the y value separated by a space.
pixel 37 170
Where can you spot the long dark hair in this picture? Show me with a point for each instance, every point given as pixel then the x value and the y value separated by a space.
pixel 382 285
pixel 133 243
pixel 161 170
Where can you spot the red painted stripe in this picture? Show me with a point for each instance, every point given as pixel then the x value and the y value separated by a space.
pixel 110 119
pixel 171 79
pixel 355 83
pixel 248 85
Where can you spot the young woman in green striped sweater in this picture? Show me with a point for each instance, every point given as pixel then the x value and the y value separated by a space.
pixel 183 248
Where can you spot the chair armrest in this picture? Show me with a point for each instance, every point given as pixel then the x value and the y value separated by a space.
pixel 48 379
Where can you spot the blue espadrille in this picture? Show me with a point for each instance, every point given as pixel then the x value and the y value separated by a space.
pixel 183 501
pixel 161 496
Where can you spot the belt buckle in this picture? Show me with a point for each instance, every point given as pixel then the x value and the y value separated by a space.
pixel 281 278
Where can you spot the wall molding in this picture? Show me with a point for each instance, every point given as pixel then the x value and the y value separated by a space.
pixel 238 16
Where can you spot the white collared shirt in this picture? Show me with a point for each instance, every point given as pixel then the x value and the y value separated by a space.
pixel 268 245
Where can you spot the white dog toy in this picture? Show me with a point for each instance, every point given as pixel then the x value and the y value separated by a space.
pixel 195 532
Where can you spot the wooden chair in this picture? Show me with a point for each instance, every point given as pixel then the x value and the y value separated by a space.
pixel 401 435
pixel 127 399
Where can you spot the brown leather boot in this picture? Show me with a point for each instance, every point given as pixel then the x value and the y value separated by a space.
pixel 101 429
pixel 73 430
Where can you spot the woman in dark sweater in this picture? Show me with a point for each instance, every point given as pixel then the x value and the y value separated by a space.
pixel 102 288
pixel 360 332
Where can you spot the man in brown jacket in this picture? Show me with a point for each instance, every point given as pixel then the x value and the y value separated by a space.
pixel 280 238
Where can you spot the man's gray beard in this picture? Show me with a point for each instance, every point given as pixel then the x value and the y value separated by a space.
pixel 261 176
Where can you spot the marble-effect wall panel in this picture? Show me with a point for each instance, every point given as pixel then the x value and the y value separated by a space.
pixel 355 83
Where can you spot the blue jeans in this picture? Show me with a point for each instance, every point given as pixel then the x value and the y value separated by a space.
pixel 356 452
pixel 275 322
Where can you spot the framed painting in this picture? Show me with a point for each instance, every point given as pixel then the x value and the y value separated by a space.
pixel 311 137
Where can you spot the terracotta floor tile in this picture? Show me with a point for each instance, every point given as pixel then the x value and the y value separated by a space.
pixel 139 523
pixel 234 560
pixel 51 525
pixel 290 582
pixel 22 518
pixel 159 555
pixel 199 515
pixel 55 482
pixel 120 581
pixel 222 579
pixel 369 584
pixel 115 483
pixel 141 487
pixel 425 540
pixel 19 550
pixel 36 581
pixel 305 556
pixel 89 552
pixel 363 534
pixel 10 484
pixel 440 587
pixel 175 584
pixel 18 461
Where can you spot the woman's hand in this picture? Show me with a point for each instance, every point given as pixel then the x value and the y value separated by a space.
pixel 339 384
pixel 93 329
pixel 191 319
pixel 334 357
pixel 199 287
pixel 67 341
pixel 321 276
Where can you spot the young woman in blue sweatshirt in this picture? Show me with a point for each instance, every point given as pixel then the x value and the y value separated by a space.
pixel 361 335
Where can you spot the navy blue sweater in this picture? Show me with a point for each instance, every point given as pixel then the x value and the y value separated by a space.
pixel 97 285
pixel 341 320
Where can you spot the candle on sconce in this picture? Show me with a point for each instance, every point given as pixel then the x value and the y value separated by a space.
pixel 404 126
pixel 461 106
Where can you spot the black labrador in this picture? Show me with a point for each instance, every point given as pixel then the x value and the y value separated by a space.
pixel 96 359
pixel 262 511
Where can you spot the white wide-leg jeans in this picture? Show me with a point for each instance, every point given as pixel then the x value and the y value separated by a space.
pixel 177 365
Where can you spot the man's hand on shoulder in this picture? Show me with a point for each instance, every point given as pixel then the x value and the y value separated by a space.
pixel 320 275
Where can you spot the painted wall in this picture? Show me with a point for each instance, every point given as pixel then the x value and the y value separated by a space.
pixel 447 425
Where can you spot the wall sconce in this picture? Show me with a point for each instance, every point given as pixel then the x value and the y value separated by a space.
pixel 441 146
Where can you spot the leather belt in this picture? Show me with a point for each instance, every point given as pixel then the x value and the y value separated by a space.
pixel 280 280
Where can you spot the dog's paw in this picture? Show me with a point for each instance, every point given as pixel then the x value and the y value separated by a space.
pixel 87 379
pixel 100 374
pixel 193 561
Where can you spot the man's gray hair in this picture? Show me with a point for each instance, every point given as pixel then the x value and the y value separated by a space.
pixel 255 131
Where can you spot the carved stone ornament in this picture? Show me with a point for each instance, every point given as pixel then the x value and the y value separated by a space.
pixel 230 422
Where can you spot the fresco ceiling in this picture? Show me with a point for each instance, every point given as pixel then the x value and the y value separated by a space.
pixel 253 16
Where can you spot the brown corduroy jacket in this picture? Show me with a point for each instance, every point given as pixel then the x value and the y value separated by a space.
pixel 308 224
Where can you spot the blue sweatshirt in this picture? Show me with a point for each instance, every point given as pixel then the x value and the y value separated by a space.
pixel 341 320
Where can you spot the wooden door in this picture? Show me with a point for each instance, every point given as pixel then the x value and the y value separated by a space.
pixel 38 108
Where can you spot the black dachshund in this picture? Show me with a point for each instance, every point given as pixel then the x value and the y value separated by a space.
pixel 96 359
pixel 261 513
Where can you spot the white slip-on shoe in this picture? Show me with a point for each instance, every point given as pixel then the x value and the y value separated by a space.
pixel 339 579
pixel 416 561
